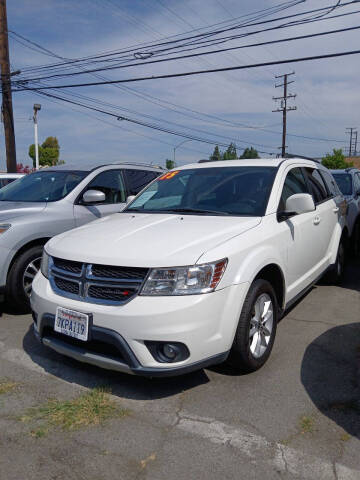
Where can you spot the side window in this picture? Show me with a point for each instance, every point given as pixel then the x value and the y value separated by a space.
pixel 332 187
pixel 294 183
pixel 317 185
pixel 356 182
pixel 111 183
pixel 136 180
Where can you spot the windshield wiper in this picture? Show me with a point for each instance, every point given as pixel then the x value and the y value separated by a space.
pixel 197 210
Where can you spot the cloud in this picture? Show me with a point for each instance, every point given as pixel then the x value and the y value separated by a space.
pixel 327 93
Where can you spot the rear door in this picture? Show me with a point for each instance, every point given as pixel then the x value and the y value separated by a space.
pixel 326 214
pixel 111 183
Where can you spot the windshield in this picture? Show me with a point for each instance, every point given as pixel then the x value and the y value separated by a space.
pixel 42 186
pixel 208 191
pixel 344 182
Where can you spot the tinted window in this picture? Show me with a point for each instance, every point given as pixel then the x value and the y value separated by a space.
pixel 42 186
pixel 357 182
pixel 111 183
pixel 344 182
pixel 294 183
pixel 6 181
pixel 136 180
pixel 332 187
pixel 222 191
pixel 317 185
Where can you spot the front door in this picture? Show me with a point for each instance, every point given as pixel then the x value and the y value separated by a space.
pixel 111 183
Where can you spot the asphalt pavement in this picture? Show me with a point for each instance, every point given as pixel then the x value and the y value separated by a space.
pixel 297 417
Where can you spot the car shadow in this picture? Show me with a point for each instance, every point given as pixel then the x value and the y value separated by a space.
pixel 330 373
pixel 121 384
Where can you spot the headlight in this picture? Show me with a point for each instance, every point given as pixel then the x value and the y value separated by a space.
pixel 4 227
pixel 190 280
pixel 45 264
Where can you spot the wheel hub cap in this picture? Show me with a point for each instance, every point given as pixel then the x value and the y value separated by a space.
pixel 30 271
pixel 261 325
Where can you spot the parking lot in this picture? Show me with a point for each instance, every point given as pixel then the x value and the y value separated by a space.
pixel 297 417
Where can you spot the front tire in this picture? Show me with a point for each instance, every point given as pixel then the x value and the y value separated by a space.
pixel 20 278
pixel 255 334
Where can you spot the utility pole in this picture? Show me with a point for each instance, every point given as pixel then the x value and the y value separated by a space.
pixel 7 110
pixel 353 140
pixel 37 107
pixel 283 106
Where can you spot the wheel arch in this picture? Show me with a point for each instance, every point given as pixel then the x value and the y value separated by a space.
pixel 275 276
pixel 38 241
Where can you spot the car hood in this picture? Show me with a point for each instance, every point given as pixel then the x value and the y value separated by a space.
pixel 10 210
pixel 148 240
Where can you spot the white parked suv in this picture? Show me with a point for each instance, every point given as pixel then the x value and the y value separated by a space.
pixel 196 270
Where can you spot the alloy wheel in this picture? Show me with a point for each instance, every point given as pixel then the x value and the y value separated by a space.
pixel 261 325
pixel 29 274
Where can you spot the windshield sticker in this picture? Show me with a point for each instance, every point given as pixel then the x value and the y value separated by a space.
pixel 169 175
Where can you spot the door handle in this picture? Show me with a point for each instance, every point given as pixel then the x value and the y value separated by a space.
pixel 336 209
pixel 317 220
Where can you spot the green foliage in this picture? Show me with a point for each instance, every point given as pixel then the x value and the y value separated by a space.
pixel 216 155
pixel 170 164
pixel 336 160
pixel 250 153
pixel 49 153
pixel 230 153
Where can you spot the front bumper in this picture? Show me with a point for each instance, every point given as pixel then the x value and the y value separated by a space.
pixel 206 324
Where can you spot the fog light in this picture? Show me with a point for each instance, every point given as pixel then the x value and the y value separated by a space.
pixel 165 352
pixel 170 351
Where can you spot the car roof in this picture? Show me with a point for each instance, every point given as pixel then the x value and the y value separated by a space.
pixel 90 168
pixel 344 170
pixel 255 162
pixel 11 175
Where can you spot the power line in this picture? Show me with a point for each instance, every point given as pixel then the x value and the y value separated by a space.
pixel 145 124
pixel 216 32
pixel 197 72
pixel 212 52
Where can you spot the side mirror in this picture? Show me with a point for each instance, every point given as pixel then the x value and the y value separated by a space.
pixel 297 204
pixel 93 196
pixel 130 198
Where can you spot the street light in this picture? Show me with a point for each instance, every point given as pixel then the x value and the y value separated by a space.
pixel 182 143
pixel 37 107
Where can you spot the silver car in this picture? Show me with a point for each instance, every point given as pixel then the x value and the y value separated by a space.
pixel 45 203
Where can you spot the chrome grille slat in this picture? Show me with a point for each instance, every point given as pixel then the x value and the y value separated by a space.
pixel 76 280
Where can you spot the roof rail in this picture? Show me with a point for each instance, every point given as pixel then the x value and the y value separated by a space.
pixel 291 155
pixel 139 164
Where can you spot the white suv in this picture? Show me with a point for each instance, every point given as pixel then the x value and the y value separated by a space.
pixel 196 270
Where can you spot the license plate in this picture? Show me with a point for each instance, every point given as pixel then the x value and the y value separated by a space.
pixel 72 323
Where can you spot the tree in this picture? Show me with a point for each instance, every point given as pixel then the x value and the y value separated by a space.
pixel 216 155
pixel 250 153
pixel 230 153
pixel 336 160
pixel 170 164
pixel 49 152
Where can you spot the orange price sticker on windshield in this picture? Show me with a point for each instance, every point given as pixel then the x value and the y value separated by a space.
pixel 169 175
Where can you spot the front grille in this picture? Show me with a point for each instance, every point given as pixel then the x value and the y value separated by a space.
pixel 67 285
pixel 129 273
pixel 103 284
pixel 111 293
pixel 68 265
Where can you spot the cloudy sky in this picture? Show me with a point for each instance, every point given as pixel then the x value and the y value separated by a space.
pixel 328 96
